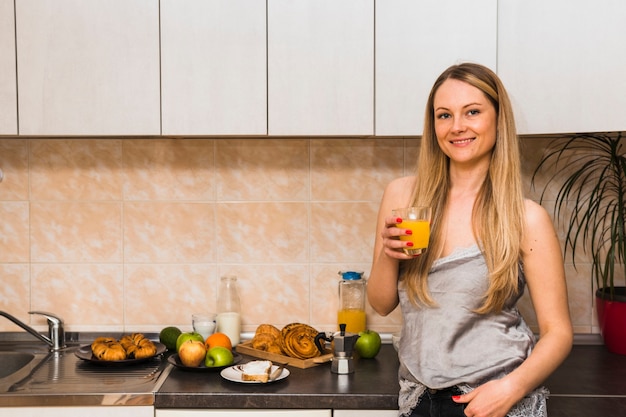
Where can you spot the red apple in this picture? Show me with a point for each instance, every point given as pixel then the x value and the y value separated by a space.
pixel 192 353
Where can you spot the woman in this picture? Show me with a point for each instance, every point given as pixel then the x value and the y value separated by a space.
pixel 465 350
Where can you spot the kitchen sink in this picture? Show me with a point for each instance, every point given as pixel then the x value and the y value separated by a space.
pixel 11 362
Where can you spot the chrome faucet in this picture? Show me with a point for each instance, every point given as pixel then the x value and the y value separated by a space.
pixel 56 333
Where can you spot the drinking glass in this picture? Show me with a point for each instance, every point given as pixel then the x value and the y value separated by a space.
pixel 203 323
pixel 416 219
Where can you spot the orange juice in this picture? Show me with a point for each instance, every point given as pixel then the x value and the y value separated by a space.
pixel 420 235
pixel 354 319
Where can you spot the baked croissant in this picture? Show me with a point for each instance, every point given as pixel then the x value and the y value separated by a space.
pixel 267 337
pixel 298 341
pixel 108 349
pixel 137 346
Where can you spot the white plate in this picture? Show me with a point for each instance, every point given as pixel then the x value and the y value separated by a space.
pixel 233 374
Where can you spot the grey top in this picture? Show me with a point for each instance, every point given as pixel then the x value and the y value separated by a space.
pixel 449 344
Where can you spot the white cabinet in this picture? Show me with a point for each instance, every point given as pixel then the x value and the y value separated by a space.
pixel 88 67
pixel 415 42
pixel 563 63
pixel 320 67
pixel 101 411
pixel 8 86
pixel 213 67
pixel 243 413
pixel 365 413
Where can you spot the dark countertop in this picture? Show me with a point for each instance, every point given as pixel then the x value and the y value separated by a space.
pixel 373 385
pixel 591 382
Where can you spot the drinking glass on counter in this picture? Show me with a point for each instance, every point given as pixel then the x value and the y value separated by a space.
pixel 203 323
pixel 416 219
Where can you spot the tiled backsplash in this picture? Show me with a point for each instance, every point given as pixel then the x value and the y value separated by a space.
pixel 133 234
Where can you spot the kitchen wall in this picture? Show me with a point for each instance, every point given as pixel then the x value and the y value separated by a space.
pixel 133 234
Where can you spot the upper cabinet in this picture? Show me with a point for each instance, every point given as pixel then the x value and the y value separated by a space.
pixel 213 67
pixel 320 67
pixel 8 85
pixel 563 63
pixel 415 42
pixel 88 67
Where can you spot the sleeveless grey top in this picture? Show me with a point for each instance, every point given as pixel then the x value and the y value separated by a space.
pixel 449 344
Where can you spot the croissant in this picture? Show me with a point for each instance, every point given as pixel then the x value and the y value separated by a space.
pixel 267 337
pixel 137 346
pixel 108 349
pixel 298 341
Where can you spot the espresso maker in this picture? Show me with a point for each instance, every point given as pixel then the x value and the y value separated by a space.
pixel 343 346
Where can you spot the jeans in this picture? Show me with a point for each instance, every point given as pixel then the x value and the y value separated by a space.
pixel 438 403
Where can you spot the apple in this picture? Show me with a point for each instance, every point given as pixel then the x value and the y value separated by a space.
pixel 183 337
pixel 368 344
pixel 192 353
pixel 218 356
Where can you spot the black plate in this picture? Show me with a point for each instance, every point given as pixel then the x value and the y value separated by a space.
pixel 175 360
pixel 85 353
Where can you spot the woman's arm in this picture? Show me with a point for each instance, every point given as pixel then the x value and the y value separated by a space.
pixel 545 277
pixel 382 284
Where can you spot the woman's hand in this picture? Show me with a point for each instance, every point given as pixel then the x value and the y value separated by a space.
pixel 492 399
pixel 392 245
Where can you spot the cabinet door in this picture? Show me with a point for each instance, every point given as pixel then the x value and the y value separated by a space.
pixel 415 42
pixel 243 413
pixel 320 67
pixel 103 411
pixel 563 63
pixel 8 86
pixel 88 67
pixel 213 67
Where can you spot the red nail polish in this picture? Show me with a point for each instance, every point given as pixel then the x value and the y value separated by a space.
pixel 409 232
pixel 456 397
pixel 409 243
pixel 398 219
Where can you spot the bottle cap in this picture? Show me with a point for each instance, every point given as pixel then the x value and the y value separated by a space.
pixel 351 275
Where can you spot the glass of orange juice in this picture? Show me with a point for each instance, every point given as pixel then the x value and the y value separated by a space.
pixel 416 219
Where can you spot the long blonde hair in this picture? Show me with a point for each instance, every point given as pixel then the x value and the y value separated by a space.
pixel 498 212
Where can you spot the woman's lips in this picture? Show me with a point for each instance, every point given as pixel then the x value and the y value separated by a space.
pixel 462 141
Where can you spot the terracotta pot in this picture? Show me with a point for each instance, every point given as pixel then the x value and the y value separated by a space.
pixel 612 319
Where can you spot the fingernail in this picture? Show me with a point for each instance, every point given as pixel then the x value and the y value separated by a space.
pixel 456 397
pixel 409 232
pixel 409 243
pixel 398 219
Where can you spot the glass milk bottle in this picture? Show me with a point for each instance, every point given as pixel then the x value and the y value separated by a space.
pixel 229 309
pixel 352 301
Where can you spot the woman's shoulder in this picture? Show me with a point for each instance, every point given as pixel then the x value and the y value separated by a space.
pixel 400 188
pixel 536 216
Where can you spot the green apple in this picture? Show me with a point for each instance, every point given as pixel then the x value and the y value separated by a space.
pixel 192 353
pixel 368 344
pixel 183 337
pixel 218 356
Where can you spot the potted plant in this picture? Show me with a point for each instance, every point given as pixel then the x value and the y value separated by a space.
pixel 591 172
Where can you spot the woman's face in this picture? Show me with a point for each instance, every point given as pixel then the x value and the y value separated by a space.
pixel 465 122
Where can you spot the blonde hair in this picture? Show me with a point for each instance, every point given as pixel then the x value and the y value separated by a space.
pixel 498 212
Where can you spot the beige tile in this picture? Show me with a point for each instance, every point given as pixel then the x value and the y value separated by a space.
pixel 76 169
pixel 169 232
pixel 167 295
pixel 251 169
pixel 76 232
pixel 343 232
pixel 262 232
pixel 15 294
pixel 84 295
pixel 274 294
pixel 169 169
pixel 14 231
pixel 354 169
pixel 14 165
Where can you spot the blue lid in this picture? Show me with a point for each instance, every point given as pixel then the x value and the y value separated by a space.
pixel 351 275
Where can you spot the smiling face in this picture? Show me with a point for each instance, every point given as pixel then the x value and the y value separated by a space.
pixel 464 122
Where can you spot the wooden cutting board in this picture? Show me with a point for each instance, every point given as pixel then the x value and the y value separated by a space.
pixel 247 349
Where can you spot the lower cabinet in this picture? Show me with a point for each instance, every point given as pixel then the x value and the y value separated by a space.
pixel 96 411
pixel 243 413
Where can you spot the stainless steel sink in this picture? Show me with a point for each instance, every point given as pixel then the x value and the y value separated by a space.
pixel 11 362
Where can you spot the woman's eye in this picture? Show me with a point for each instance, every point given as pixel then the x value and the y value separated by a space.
pixel 443 116
pixel 473 112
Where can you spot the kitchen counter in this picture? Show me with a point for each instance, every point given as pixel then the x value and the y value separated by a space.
pixel 373 385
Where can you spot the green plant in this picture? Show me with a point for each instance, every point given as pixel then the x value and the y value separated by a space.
pixel 591 171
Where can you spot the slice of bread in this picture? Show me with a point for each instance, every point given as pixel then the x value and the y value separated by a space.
pixel 256 371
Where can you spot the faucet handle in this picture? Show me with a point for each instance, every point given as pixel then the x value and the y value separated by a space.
pixel 56 332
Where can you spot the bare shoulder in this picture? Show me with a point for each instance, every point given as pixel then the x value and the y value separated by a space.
pixel 400 188
pixel 539 231
pixel 536 215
